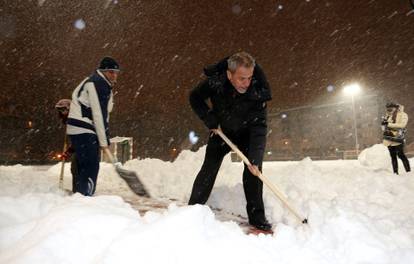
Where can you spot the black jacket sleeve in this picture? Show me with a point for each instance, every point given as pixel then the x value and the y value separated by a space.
pixel 198 97
pixel 257 134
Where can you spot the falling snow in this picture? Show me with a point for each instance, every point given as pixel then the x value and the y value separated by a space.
pixel 308 49
pixel 80 24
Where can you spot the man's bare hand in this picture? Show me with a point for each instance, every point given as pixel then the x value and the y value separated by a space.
pixel 254 170
pixel 215 130
pixel 103 149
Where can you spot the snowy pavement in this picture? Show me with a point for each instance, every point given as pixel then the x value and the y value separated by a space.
pixel 358 212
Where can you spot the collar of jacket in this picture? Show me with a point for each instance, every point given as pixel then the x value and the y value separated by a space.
pixel 103 77
pixel 259 88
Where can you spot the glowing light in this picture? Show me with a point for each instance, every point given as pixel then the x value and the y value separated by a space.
pixel 284 116
pixel 352 89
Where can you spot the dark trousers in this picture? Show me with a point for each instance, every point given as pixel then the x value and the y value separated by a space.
pixel 87 155
pixel 204 182
pixel 398 151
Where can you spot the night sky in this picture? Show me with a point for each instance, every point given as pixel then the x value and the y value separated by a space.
pixel 304 46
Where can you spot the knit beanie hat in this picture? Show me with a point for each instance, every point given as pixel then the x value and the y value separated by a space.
pixel 108 63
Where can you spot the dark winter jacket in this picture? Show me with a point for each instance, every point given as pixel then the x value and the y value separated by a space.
pixel 90 107
pixel 237 114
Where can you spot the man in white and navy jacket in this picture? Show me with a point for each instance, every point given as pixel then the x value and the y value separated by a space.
pixel 87 124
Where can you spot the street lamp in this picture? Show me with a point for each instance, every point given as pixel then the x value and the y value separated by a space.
pixel 352 90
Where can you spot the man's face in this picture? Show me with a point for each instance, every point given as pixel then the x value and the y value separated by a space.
pixel 112 76
pixel 241 78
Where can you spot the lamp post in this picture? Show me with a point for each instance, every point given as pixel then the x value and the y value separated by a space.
pixel 352 90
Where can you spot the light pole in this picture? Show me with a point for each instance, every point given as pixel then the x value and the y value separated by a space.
pixel 352 90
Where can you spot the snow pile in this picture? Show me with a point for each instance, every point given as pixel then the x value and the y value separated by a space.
pixel 358 212
pixel 48 228
pixel 376 157
pixel 18 180
pixel 175 180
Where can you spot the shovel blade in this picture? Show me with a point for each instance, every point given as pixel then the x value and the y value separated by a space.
pixel 134 183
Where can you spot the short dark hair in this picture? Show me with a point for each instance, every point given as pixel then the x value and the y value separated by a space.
pixel 240 59
pixel 391 105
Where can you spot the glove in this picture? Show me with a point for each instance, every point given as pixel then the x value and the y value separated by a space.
pixel 63 157
pixel 211 120
pixel 67 154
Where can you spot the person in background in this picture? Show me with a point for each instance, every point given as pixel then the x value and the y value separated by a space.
pixel 394 129
pixel 87 123
pixel 238 91
pixel 63 106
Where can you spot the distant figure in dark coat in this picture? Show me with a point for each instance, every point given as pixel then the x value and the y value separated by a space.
pixel 238 91
pixel 63 107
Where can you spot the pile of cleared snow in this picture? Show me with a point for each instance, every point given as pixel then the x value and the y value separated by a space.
pixel 46 228
pixel 175 180
pixel 357 214
pixel 19 180
pixel 376 157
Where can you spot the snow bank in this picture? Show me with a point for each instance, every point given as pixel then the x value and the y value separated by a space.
pixel 48 228
pixel 376 157
pixel 358 212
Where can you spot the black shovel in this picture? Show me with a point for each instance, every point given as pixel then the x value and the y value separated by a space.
pixel 130 177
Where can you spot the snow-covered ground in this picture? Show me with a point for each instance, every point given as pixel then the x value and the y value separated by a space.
pixel 358 212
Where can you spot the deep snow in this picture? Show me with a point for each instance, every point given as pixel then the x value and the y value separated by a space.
pixel 358 211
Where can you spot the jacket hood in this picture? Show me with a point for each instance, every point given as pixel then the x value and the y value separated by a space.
pixel 217 68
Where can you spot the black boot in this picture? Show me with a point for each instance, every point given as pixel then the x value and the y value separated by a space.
pixel 262 225
pixel 406 164
pixel 407 167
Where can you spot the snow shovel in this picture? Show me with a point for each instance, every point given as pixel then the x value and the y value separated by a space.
pixel 266 181
pixel 130 177
pixel 62 168
pixel 62 107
